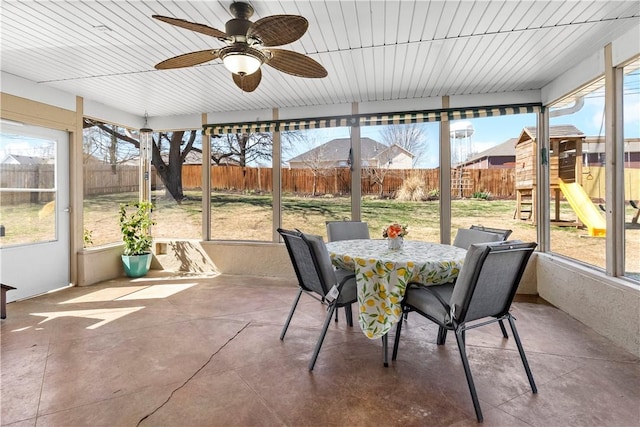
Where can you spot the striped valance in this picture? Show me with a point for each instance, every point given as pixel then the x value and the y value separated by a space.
pixel 472 113
pixel 371 119
pixel 239 128
pixel 325 122
pixel 281 125
pixel 401 118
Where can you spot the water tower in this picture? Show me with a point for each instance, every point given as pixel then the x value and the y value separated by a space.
pixel 460 142
pixel 460 135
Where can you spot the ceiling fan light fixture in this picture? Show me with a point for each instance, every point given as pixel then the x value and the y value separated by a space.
pixel 241 60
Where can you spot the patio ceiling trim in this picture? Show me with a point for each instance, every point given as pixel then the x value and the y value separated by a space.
pixel 371 120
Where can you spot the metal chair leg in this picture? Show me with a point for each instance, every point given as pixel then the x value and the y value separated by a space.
pixel 467 372
pixel 516 337
pixel 503 329
pixel 442 335
pixel 396 341
pixel 349 314
pixel 385 349
pixel 293 308
pixel 325 326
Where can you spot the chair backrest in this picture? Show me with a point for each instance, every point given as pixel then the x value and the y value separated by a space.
pixel 310 260
pixel 347 230
pixel 504 233
pixel 489 279
pixel 467 237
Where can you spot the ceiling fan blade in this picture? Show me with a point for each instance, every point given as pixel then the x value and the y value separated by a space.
pixel 248 83
pixel 200 28
pixel 188 59
pixel 296 64
pixel 278 30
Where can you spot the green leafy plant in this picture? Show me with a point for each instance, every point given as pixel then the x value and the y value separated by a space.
pixel 433 194
pixel 135 225
pixel 483 195
pixel 87 237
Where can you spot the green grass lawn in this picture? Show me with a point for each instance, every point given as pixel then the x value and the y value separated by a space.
pixel 249 217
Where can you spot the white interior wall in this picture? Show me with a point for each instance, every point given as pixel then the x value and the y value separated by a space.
pixel 28 89
pixel 608 305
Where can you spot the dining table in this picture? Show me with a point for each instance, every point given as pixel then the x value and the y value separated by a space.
pixel 382 275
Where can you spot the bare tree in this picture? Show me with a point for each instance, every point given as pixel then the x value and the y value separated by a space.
pixel 170 150
pixel 411 137
pixel 176 149
pixel 315 159
pixel 101 142
pixel 241 148
pixel 377 173
pixel 171 171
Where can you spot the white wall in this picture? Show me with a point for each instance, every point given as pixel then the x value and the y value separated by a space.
pixel 24 88
pixel 194 256
pixel 609 306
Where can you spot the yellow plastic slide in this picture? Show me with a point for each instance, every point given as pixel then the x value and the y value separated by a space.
pixel 584 208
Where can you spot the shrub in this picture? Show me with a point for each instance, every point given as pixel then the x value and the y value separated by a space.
pixel 412 190
pixel 484 195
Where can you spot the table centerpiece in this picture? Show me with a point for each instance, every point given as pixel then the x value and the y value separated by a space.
pixel 395 235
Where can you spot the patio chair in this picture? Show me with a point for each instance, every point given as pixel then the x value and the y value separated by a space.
pixel 485 289
pixel 465 237
pixel 504 233
pixel 317 278
pixel 347 230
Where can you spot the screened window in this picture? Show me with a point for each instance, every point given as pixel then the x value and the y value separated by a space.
pixel 577 196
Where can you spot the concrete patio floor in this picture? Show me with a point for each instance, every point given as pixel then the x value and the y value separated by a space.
pixel 181 350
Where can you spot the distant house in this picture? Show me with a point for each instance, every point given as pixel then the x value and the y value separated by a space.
pixel 336 154
pixel 593 152
pixel 501 156
pixel 15 159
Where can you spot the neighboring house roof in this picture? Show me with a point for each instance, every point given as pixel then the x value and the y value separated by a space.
pixel 25 160
pixel 338 150
pixel 556 131
pixel 507 148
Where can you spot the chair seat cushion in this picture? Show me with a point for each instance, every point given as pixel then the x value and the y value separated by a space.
pixel 424 301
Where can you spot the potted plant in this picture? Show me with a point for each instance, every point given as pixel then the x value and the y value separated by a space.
pixel 135 225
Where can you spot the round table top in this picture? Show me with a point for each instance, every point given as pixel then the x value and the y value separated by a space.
pixel 412 251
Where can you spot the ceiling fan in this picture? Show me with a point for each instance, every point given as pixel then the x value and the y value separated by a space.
pixel 249 45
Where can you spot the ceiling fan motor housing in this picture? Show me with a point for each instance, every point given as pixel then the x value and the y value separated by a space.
pixel 237 27
pixel 241 10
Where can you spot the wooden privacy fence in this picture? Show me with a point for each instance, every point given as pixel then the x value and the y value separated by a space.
pixel 499 182
pixel 103 179
pixel 41 178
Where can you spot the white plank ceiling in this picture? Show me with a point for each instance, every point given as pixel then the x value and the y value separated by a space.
pixel 373 50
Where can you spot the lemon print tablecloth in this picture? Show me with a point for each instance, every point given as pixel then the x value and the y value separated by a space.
pixel 382 275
